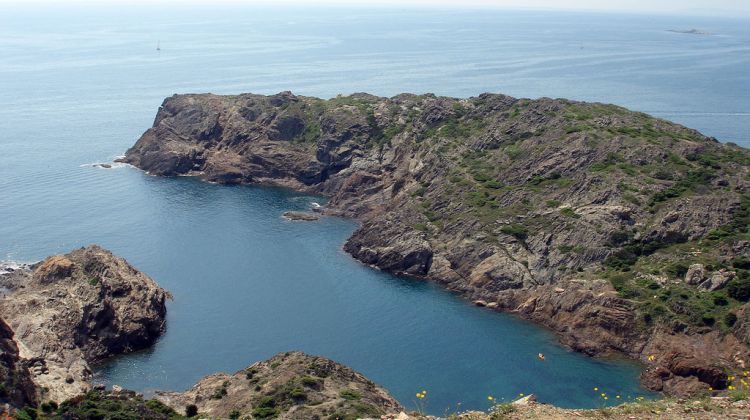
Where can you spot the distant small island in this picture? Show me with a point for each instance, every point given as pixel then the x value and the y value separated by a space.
pixel 689 31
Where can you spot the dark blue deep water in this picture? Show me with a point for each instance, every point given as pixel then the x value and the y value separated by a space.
pixel 79 86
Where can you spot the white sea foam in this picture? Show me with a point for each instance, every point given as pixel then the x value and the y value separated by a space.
pixel 105 165
pixel 10 266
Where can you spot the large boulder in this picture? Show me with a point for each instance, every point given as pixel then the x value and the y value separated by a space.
pixel 695 275
pixel 717 280
pixel 76 309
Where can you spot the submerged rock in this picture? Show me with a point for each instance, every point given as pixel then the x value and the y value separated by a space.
pixel 298 215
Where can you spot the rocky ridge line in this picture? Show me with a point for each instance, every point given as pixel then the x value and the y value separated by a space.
pixel 578 216
pixel 291 386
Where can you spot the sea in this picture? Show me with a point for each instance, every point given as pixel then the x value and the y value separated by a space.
pixel 80 83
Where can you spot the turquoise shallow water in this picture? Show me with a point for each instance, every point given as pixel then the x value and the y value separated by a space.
pixel 79 86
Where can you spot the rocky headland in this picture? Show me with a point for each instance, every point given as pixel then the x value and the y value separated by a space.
pixel 63 314
pixel 287 386
pixel 619 231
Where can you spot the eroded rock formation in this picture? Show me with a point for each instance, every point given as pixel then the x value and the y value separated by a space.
pixel 582 217
pixel 72 310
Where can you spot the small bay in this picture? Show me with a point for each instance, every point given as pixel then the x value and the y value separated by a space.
pixel 78 87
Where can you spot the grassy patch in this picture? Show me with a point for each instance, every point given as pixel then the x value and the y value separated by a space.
pixel 350 395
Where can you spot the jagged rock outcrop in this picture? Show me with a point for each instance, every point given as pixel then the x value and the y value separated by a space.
pixel 300 215
pixel 665 409
pixel 16 387
pixel 287 386
pixel 72 310
pixel 564 212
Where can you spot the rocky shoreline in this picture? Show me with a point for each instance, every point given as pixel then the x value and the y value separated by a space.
pixel 300 215
pixel 566 213
pixel 69 311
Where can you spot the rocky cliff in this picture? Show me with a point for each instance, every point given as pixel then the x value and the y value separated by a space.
pixel 287 386
pixel 16 387
pixel 72 310
pixel 619 231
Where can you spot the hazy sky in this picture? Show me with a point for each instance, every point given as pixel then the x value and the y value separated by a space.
pixel 710 7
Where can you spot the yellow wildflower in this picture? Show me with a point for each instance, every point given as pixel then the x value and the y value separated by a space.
pixel 596 388
pixel 490 397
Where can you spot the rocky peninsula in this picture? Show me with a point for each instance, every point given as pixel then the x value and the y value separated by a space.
pixel 621 232
pixel 63 314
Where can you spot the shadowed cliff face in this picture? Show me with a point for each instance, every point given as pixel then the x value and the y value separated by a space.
pixel 72 310
pixel 583 217
pixel 16 387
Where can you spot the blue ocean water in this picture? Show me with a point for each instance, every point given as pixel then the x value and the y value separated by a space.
pixel 79 85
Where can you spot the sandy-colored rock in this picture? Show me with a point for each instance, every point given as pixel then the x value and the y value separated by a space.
pixel 299 215
pixel 73 310
pixel 717 280
pixel 53 268
pixel 526 400
pixel 499 272
pixel 696 274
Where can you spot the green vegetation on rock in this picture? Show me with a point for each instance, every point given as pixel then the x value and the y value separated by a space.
pixel 511 201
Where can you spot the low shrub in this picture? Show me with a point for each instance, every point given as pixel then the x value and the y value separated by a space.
pixel 518 231
pixel 350 395
pixel 739 288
